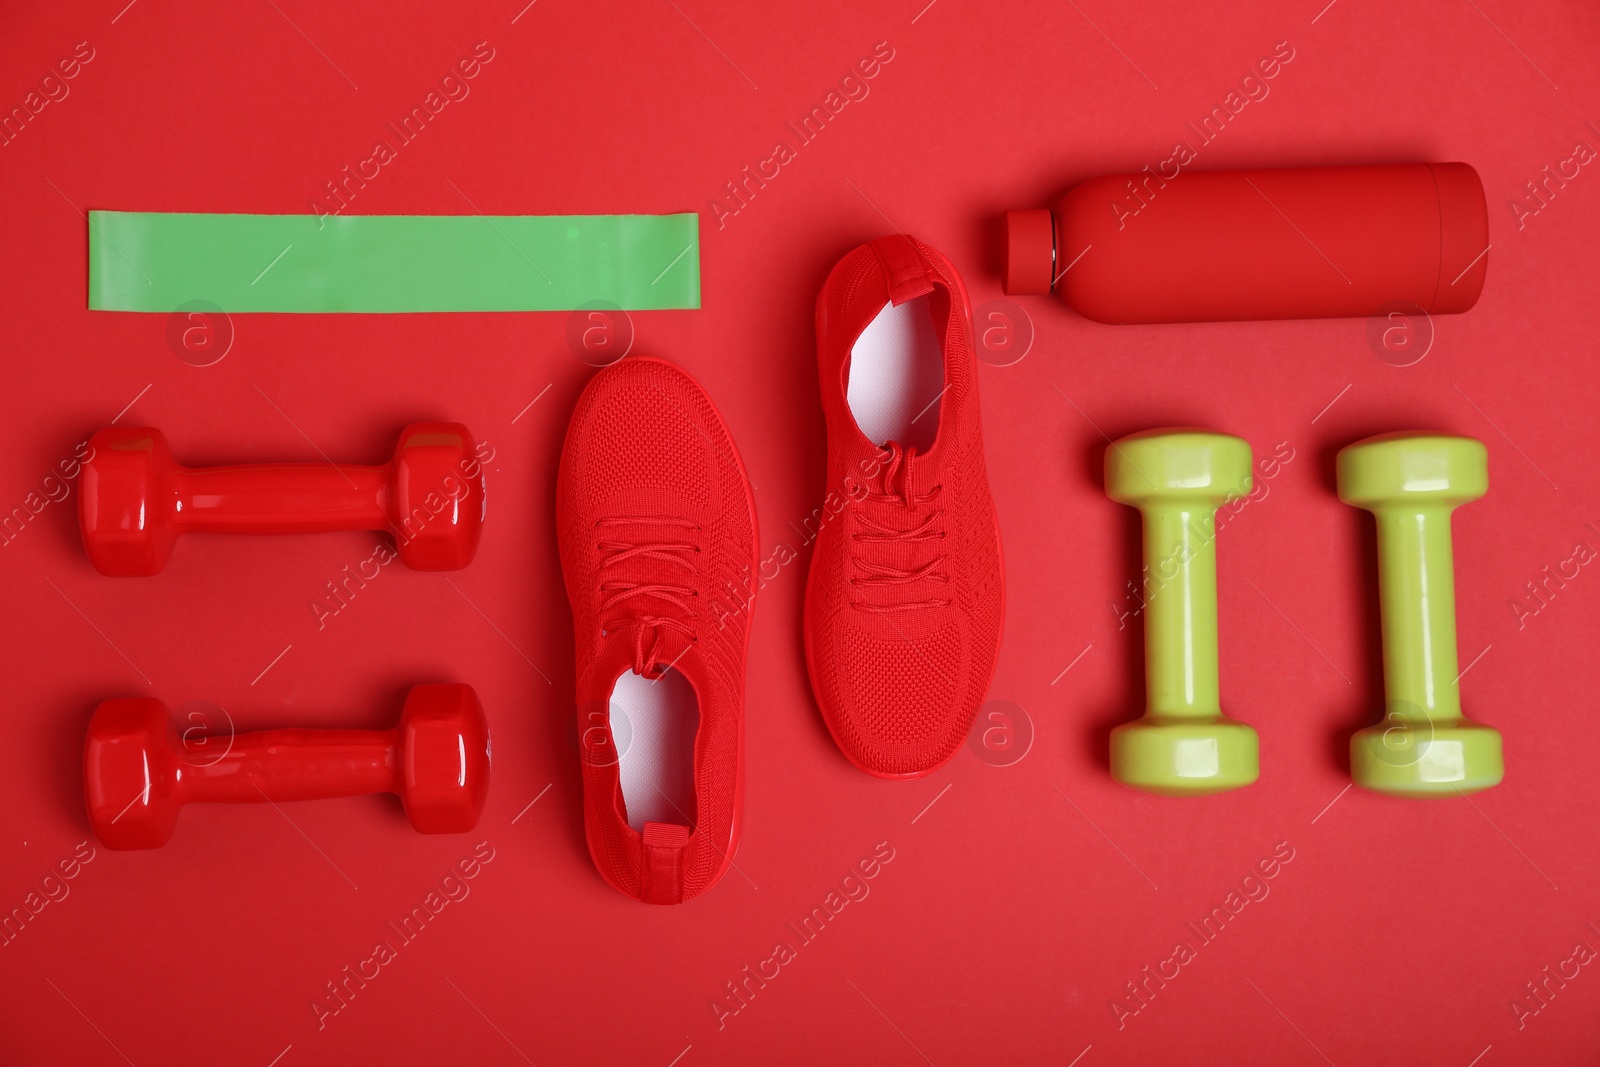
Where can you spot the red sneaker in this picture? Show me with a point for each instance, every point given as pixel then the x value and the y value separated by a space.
pixel 657 534
pixel 906 595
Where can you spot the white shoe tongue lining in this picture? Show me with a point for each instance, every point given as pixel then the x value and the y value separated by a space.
pixel 897 375
pixel 654 722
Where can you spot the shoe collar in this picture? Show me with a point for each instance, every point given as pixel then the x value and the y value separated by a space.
pixel 661 851
pixel 907 274
pixel 619 653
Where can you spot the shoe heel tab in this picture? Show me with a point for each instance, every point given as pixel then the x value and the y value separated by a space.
pixel 661 850
pixel 909 272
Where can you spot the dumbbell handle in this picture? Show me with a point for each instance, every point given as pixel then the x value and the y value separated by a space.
pixel 1180 624
pixel 266 498
pixel 293 764
pixel 1417 592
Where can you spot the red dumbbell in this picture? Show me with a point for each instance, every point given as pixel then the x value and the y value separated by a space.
pixel 135 499
pixel 136 773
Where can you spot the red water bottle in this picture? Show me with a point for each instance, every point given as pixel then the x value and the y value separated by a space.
pixel 1211 246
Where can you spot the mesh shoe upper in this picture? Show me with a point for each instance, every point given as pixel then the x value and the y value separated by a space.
pixel 905 598
pixel 657 536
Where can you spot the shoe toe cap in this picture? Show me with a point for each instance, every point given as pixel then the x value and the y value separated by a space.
pixel 899 704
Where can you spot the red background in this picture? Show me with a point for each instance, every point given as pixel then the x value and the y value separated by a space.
pixel 1023 899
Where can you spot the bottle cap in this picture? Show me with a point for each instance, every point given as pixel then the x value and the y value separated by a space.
pixel 1029 253
pixel 1463 238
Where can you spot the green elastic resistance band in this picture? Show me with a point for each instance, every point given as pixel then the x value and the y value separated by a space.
pixel 150 261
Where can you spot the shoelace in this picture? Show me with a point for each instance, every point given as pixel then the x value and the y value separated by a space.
pixel 680 554
pixel 899 492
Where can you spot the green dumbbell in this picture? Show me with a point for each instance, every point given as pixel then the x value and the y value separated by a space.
pixel 1411 482
pixel 1184 745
